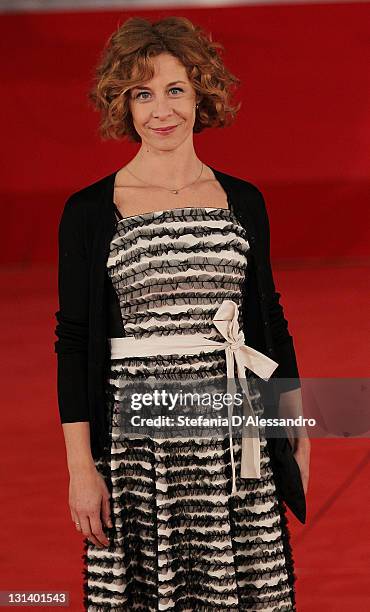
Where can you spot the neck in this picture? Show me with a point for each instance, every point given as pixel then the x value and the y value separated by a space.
pixel 173 168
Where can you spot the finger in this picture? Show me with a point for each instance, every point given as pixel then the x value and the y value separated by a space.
pixel 76 520
pixel 106 512
pixel 97 529
pixel 86 530
pixel 78 524
pixel 306 483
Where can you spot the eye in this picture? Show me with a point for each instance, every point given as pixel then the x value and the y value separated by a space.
pixel 140 93
pixel 146 92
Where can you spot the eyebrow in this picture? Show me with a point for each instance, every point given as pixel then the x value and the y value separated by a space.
pixel 168 84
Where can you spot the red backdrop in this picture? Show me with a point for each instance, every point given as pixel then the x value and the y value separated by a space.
pixel 302 134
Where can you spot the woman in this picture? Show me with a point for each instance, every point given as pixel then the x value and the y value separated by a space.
pixel 163 254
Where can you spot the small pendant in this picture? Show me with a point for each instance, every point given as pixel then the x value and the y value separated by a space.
pixel 175 191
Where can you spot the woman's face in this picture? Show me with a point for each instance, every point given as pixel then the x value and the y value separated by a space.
pixel 168 99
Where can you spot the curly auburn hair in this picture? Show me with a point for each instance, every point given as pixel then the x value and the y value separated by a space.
pixel 126 62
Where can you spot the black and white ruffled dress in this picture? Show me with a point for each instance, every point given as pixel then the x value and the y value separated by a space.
pixel 179 540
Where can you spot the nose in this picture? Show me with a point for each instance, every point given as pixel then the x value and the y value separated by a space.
pixel 162 108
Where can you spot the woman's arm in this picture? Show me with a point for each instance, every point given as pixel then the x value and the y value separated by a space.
pixel 281 337
pixel 73 314
pixel 77 442
pixel 290 398
pixel 88 493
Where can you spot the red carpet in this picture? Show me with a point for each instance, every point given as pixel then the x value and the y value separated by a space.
pixel 40 548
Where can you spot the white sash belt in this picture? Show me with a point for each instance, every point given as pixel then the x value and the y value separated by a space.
pixel 226 321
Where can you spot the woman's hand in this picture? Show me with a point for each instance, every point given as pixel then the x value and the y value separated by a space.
pixel 89 504
pixel 302 450
pixel 290 406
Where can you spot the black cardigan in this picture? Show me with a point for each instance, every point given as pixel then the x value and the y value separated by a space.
pixel 87 225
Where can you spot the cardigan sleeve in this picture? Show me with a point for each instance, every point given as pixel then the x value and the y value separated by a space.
pixel 71 329
pixel 282 339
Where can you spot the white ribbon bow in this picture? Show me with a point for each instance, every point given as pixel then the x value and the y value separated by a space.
pixel 226 321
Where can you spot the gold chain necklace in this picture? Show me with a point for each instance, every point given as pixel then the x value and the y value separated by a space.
pixel 175 191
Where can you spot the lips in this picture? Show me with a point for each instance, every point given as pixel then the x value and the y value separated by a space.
pixel 166 129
